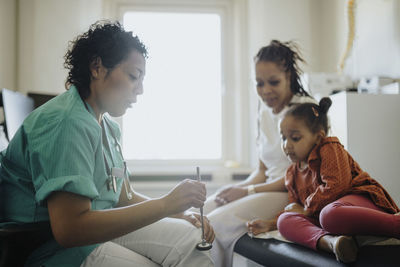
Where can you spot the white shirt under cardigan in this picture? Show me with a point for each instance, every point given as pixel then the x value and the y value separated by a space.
pixel 269 140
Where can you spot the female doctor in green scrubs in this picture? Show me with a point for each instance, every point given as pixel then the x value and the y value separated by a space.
pixel 64 166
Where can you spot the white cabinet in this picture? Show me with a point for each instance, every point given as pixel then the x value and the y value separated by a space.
pixel 369 127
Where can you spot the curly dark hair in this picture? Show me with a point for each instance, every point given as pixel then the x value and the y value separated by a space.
pixel 287 56
pixel 105 40
pixel 315 116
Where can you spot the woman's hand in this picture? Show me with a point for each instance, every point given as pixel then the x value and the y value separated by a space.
pixel 259 226
pixel 195 219
pixel 230 194
pixel 296 207
pixel 187 194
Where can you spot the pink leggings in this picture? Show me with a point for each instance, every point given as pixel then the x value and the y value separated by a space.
pixel 349 215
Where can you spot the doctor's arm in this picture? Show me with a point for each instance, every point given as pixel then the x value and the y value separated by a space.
pixel 74 223
pixel 136 198
pixel 192 217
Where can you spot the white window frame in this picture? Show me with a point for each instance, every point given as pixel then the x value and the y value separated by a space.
pixel 238 131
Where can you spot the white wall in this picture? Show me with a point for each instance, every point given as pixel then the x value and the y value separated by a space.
pixel 8 53
pixel 35 33
pixel 331 33
pixel 370 135
pixel 376 48
pixel 283 20
pixel 45 28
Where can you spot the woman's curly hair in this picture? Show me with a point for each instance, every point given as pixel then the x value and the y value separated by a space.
pixel 105 40
pixel 287 56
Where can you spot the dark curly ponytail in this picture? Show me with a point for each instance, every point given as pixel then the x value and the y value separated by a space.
pixel 315 116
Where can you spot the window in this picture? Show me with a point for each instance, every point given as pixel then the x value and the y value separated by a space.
pixel 196 106
pixel 179 117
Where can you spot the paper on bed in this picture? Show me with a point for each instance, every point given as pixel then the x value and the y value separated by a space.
pixel 271 234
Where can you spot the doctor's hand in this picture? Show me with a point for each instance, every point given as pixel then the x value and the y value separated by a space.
pixel 230 194
pixel 195 219
pixel 187 194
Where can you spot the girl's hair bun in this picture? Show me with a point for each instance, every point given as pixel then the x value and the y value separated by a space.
pixel 324 104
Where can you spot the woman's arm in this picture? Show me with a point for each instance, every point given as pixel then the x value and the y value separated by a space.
pixel 74 223
pixel 256 177
pixel 277 185
pixel 233 192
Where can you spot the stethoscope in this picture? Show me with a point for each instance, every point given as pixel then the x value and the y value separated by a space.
pixel 114 172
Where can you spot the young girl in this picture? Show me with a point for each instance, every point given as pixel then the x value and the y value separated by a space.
pixel 331 198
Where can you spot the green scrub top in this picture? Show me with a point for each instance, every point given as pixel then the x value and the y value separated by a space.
pixel 59 147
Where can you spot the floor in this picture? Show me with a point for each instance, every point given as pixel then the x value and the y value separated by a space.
pixel 240 261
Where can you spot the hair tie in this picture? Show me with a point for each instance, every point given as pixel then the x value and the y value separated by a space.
pixel 315 112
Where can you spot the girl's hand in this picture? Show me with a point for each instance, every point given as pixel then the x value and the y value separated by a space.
pixel 187 194
pixel 259 226
pixel 230 194
pixel 296 207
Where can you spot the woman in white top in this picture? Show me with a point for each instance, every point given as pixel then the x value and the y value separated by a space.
pixel 263 193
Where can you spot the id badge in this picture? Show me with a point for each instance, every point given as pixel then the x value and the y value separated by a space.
pixel 116 173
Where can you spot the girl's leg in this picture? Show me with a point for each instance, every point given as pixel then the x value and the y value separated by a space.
pixel 344 247
pixel 112 254
pixel 307 232
pixel 168 242
pixel 300 229
pixel 229 221
pixel 357 214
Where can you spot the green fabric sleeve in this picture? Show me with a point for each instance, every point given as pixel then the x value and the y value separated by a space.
pixel 62 157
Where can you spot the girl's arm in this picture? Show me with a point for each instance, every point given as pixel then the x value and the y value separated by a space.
pixel 335 175
pixel 74 223
pixel 296 207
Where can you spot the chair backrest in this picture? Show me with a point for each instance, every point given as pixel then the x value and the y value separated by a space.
pixel 16 108
pixel 18 241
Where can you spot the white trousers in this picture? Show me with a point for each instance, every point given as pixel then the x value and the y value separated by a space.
pixel 168 242
pixel 229 221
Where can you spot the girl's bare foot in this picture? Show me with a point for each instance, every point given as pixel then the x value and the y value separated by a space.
pixel 344 247
pixel 259 226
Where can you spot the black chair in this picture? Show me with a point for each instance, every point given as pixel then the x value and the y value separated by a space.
pixel 17 241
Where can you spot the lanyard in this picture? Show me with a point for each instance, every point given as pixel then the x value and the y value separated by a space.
pixel 111 172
